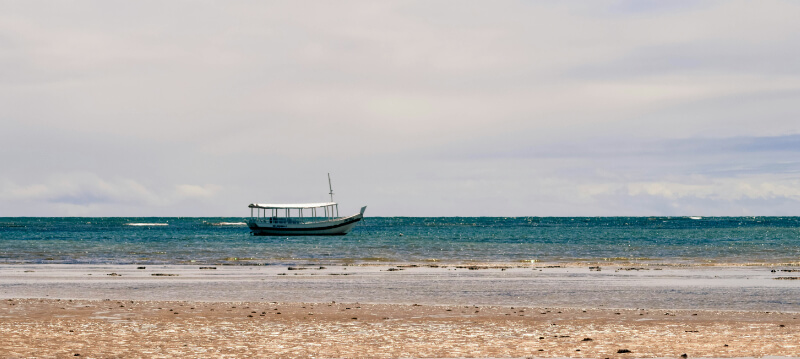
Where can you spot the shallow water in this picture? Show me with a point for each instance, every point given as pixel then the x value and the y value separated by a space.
pixel 715 288
pixel 666 240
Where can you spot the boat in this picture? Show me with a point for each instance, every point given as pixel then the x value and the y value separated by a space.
pixel 301 219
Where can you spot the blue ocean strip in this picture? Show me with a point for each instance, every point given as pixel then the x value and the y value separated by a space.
pixel 569 240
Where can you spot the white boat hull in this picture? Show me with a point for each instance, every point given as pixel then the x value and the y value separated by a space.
pixel 331 227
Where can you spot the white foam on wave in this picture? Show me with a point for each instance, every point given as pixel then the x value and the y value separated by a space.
pixel 146 224
pixel 229 224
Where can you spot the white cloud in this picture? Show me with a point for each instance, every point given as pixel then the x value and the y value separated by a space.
pixel 152 105
pixel 80 188
pixel 196 191
pixel 83 193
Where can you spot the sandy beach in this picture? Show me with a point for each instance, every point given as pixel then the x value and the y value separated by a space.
pixel 120 311
pixel 115 328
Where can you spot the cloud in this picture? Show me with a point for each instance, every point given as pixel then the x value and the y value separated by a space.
pixel 763 154
pixel 763 197
pixel 79 193
pixel 694 195
pixel 726 190
pixel 80 188
pixel 196 191
pixel 150 107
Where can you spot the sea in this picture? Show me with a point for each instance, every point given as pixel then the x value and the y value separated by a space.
pixel 675 241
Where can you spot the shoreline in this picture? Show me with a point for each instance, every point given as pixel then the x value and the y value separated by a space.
pixel 397 311
pixel 253 262
pixel 709 288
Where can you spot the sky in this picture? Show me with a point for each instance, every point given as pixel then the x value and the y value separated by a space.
pixel 415 108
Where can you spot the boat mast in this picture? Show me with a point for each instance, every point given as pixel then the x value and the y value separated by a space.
pixel 329 186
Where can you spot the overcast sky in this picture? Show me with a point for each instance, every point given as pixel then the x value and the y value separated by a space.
pixel 429 108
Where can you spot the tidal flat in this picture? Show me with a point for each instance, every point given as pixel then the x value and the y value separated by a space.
pixel 398 311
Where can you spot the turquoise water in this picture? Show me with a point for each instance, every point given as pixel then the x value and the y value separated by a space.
pixel 670 240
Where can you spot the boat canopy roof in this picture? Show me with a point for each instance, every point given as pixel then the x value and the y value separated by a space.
pixel 291 205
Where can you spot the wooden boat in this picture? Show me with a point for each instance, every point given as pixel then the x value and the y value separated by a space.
pixel 301 219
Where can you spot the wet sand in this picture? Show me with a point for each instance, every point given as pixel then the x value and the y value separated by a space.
pixel 186 311
pixel 714 288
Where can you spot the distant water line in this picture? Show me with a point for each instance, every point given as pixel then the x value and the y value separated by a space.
pixel 501 240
